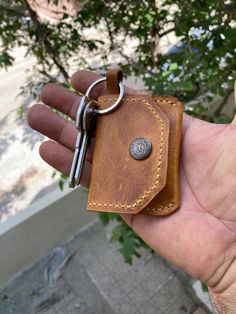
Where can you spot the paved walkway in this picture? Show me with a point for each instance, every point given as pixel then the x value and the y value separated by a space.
pixel 87 275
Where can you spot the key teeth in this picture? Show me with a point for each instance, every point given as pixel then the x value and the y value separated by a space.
pixel 81 143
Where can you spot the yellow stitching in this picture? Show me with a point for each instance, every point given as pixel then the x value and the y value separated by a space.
pixel 158 172
pixel 155 99
pixel 166 208
pixel 164 101
pixel 146 193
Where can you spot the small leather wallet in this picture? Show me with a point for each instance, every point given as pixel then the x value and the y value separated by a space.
pixel 135 166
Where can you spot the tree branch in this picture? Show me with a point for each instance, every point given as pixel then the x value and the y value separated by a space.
pixel 16 9
pixel 136 65
pixel 109 33
pixel 167 32
pixel 42 38
pixel 222 103
pixel 43 72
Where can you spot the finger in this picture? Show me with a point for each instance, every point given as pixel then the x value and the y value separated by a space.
pixel 81 80
pixel 60 158
pixel 49 123
pixel 60 98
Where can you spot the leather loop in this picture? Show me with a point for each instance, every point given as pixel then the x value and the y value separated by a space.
pixel 113 77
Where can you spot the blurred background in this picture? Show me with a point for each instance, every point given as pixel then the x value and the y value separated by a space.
pixel 181 48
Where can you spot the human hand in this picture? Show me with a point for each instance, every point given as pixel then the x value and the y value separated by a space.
pixel 201 236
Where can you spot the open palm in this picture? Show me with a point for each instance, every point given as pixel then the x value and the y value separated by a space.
pixel 201 236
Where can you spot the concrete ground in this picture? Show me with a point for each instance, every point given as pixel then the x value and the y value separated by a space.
pixel 87 275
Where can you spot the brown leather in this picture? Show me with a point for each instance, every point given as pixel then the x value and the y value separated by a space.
pixel 122 184
pixel 169 198
pixel 113 77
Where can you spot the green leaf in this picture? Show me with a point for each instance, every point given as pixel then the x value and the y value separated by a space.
pixel 223 119
pixel 53 174
pixel 104 217
pixel 184 85
pixel 117 233
pixel 6 59
pixel 128 248
pixel 187 86
pixel 63 48
pixel 149 17
pixel 61 185
pixel 173 66
pixel 204 287
pixel 166 73
pixel 21 112
pixel 63 178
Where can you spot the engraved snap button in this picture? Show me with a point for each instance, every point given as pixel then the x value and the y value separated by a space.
pixel 140 148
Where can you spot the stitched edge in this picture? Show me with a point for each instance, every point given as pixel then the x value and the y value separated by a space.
pixel 167 207
pixel 146 193
pixel 162 209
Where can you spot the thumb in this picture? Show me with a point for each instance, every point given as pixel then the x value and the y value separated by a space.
pixel 234 119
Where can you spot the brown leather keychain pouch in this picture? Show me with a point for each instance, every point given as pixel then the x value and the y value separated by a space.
pixel 135 167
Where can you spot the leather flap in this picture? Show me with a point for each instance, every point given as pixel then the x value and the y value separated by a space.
pixel 168 200
pixel 120 183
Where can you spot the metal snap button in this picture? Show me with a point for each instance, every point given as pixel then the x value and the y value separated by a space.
pixel 140 148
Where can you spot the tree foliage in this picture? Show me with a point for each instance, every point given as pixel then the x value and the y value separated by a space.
pixel 196 68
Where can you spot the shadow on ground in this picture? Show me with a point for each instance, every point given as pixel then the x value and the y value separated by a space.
pixel 87 275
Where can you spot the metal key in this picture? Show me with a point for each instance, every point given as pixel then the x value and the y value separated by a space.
pixel 87 112
pixel 79 116
pixel 87 118
pixel 75 160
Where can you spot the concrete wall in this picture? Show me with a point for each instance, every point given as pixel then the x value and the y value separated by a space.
pixel 29 234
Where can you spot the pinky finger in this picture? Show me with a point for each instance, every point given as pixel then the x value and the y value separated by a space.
pixel 60 158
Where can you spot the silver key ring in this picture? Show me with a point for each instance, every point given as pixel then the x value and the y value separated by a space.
pixel 116 103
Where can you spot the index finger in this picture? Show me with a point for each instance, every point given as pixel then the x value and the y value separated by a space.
pixel 60 98
pixel 66 101
pixel 81 80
